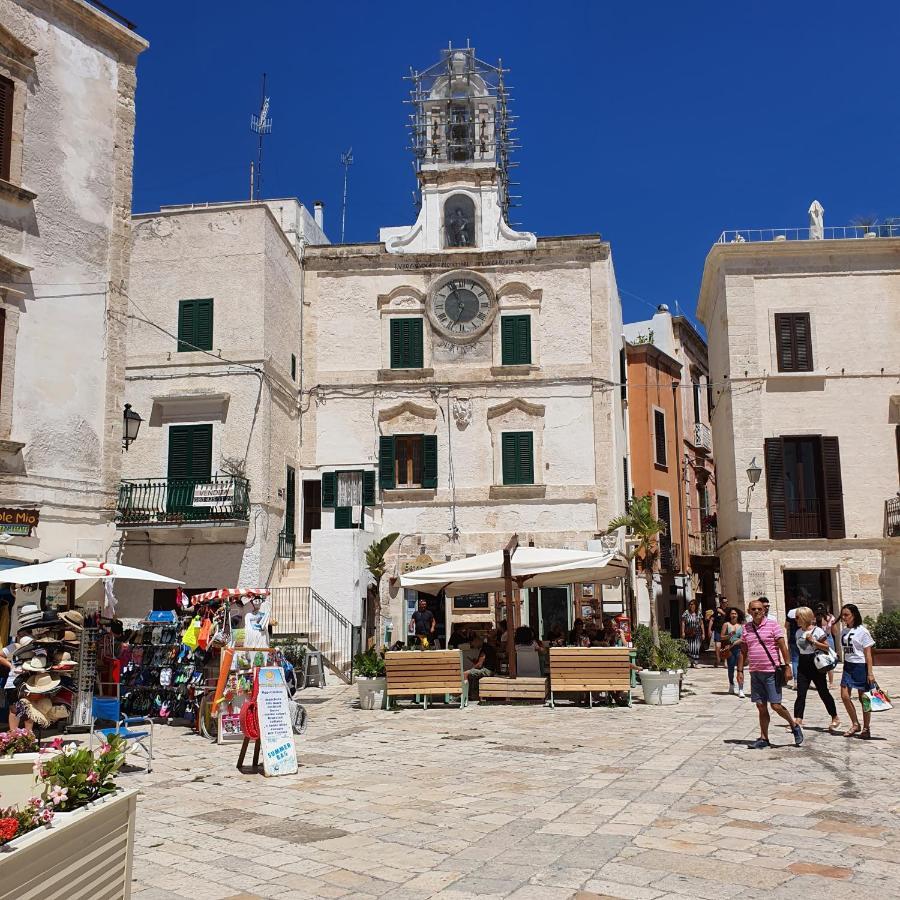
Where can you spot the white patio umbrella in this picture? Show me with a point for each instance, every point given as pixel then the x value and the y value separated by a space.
pixel 530 567
pixel 68 568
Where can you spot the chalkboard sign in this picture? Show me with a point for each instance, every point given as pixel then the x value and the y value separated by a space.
pixel 470 601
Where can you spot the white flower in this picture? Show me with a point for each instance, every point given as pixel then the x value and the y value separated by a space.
pixel 70 749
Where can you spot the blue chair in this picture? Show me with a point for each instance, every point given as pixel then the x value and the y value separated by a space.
pixel 110 709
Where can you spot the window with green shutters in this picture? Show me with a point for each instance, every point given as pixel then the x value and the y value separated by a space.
pixel 515 340
pixel 331 492
pixel 406 343
pixel 407 461
pixel 190 451
pixel 518 457
pixel 195 325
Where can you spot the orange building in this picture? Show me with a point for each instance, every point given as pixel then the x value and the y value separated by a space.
pixel 671 459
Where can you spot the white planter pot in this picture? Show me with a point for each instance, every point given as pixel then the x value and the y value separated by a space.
pixel 17 781
pixel 660 688
pixel 368 688
pixel 89 847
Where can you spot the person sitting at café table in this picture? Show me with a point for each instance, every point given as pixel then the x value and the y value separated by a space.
pixel 486 662
pixel 557 637
pixel 611 635
pixel 458 635
pixel 422 623
pixel 525 638
pixel 577 636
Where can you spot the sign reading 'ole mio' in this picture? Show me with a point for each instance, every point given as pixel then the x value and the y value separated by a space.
pixel 18 521
pixel 275 732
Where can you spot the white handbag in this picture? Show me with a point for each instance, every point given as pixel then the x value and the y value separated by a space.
pixel 825 659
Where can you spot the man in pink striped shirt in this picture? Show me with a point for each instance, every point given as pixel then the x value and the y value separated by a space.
pixel 764 647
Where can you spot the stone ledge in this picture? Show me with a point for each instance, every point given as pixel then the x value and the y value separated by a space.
pixel 401 495
pixel 404 374
pixel 516 371
pixel 518 491
pixel 11 446
pixel 16 191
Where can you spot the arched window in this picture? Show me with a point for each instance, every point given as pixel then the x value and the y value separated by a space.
pixel 459 221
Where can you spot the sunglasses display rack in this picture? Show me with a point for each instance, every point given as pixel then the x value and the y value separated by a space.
pixel 87 669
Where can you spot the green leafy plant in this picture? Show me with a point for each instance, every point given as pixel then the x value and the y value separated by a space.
pixel 17 741
pixel 376 565
pixel 76 776
pixel 369 664
pixel 293 651
pixel 885 630
pixel 669 655
pixel 645 529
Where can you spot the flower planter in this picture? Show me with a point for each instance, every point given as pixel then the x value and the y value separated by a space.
pixel 888 657
pixel 660 688
pixel 86 852
pixel 17 781
pixel 368 688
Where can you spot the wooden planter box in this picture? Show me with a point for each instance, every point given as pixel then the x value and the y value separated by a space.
pixel 86 853
pixel 17 781
pixel 885 657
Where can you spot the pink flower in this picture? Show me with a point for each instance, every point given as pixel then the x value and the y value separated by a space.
pixel 35 802
pixel 58 795
pixel 56 743
pixel 105 748
pixel 92 777
pixel 47 816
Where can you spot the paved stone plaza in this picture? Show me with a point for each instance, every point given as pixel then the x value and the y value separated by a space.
pixel 529 803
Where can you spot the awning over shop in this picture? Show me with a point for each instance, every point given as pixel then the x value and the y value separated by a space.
pixel 229 594
pixel 530 567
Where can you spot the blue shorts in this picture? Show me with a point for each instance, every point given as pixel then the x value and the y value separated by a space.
pixel 855 676
pixel 764 688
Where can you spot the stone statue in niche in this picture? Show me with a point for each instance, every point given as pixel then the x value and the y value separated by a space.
pixel 462 412
pixel 459 221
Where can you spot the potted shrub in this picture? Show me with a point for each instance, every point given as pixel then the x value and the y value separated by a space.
pixel 18 758
pixel 886 632
pixel 368 668
pixel 661 666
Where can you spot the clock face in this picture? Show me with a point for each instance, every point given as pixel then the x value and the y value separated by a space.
pixel 461 307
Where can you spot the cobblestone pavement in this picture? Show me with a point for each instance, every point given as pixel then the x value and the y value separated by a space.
pixel 528 802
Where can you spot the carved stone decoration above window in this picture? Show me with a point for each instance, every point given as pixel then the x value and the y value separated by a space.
pixel 462 412
pixel 407 418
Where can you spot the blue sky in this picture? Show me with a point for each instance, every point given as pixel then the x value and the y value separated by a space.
pixel 657 124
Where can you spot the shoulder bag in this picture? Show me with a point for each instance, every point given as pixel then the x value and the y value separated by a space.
pixel 779 669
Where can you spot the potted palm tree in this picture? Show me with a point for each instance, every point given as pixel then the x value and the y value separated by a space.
pixel 659 678
pixel 376 565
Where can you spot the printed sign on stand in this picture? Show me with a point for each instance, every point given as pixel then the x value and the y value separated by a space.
pixel 275 732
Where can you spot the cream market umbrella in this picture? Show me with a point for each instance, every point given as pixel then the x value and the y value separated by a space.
pixel 513 568
pixel 530 567
pixel 71 569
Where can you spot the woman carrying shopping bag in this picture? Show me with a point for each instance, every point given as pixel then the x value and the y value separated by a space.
pixel 812 641
pixel 859 674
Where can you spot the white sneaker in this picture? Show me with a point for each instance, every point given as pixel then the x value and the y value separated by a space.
pixel 741 694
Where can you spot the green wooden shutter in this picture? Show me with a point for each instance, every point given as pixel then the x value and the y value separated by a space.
pixel 368 488
pixel 190 451
pixel 510 458
pixel 342 517
pixel 179 451
pixel 429 461
pixel 515 340
pixel 416 353
pixel 525 453
pixel 201 452
pixel 204 328
pixel 406 343
pixel 186 326
pixel 7 94
pixel 659 437
pixel 396 343
pixel 293 367
pixel 507 341
pixel 329 490
pixel 386 478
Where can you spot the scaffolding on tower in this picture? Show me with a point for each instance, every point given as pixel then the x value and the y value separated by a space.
pixel 460 114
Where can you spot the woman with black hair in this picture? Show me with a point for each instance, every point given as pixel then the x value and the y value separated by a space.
pixel 859 674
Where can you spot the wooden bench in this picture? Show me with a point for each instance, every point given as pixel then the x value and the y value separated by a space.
pixel 582 670
pixel 491 688
pixel 418 673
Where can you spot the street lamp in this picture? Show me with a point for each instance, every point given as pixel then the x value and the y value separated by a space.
pixel 131 424
pixel 753 474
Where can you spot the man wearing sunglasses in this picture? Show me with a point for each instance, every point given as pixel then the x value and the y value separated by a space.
pixel 763 646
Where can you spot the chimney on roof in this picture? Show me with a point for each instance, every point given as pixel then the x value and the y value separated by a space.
pixel 319 213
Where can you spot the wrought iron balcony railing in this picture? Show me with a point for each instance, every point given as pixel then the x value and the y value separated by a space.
pixel 183 501
pixel 892 517
pixel 702 437
pixel 705 543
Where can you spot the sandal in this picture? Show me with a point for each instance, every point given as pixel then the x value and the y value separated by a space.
pixel 853 730
pixel 866 734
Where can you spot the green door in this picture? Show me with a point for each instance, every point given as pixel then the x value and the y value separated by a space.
pixel 190 462
pixel 290 502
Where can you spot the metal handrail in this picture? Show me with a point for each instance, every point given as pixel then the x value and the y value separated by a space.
pixel 287 545
pixel 832 233
pixel 173 501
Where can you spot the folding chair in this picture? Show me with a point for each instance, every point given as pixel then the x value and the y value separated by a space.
pixel 110 709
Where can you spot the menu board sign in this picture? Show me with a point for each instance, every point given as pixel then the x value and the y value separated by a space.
pixel 279 755
pixel 470 601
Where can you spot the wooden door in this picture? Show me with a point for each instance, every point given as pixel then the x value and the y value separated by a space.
pixel 312 508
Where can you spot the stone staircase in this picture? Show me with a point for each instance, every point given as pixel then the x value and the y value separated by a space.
pixel 295 573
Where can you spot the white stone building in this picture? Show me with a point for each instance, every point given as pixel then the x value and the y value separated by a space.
pixel 215 369
pixel 67 83
pixel 463 374
pixel 804 360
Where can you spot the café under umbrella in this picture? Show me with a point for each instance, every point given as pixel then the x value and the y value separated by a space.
pixel 513 569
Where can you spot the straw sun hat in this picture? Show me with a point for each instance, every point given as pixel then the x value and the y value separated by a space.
pixel 44 683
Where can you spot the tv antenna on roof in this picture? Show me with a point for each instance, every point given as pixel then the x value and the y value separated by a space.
pixel 346 162
pixel 261 125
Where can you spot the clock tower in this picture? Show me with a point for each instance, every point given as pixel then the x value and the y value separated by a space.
pixel 460 130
